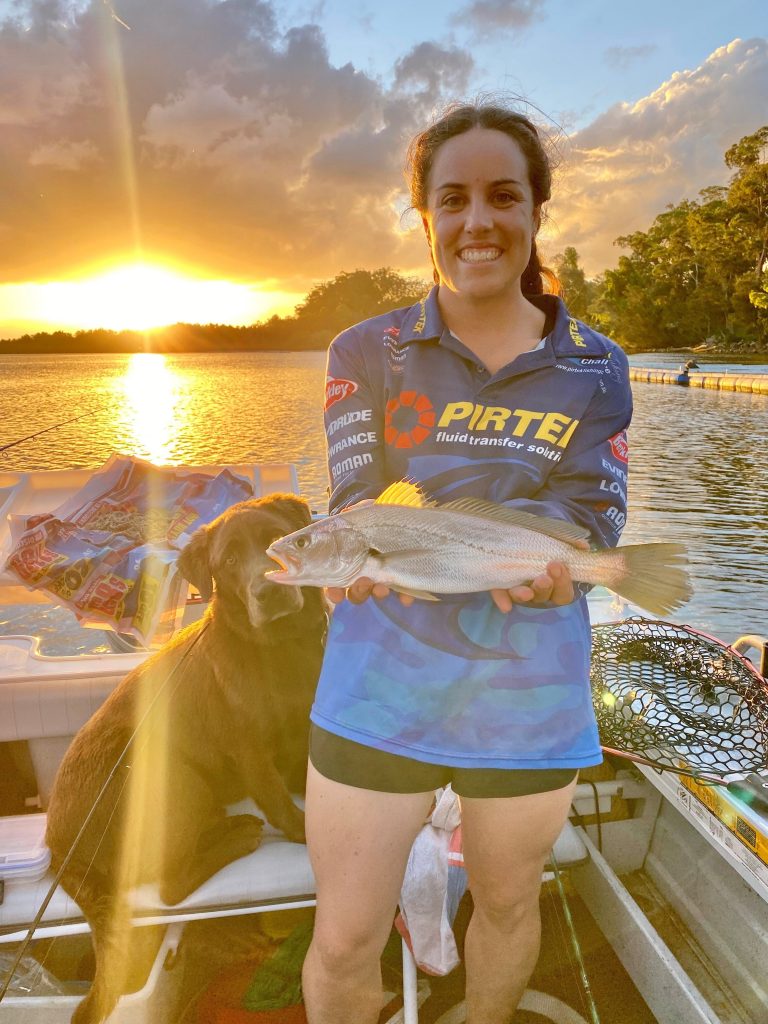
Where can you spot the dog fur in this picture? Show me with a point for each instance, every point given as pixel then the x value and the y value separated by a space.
pixel 222 712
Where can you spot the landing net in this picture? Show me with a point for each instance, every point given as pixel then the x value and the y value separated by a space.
pixel 678 699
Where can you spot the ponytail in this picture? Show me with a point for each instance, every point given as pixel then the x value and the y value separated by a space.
pixel 538 280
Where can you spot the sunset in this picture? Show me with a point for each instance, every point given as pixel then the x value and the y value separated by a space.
pixel 383 521
pixel 262 151
pixel 140 296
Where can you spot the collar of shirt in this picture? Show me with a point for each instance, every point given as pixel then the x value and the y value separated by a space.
pixel 567 339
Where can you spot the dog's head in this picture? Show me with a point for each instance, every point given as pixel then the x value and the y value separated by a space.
pixel 231 552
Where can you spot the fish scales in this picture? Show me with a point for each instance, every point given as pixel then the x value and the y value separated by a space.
pixel 467 546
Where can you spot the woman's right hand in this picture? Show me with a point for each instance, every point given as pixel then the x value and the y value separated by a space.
pixel 361 590
pixel 363 587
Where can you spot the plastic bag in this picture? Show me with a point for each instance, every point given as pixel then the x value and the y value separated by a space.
pixel 109 552
pixel 30 978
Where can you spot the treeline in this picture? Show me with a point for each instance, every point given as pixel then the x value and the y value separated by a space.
pixel 698 275
pixel 327 309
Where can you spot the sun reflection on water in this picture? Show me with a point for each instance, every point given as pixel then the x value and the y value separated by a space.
pixel 151 392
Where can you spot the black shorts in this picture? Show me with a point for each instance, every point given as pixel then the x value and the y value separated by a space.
pixel 354 764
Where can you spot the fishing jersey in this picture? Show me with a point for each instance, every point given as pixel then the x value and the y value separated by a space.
pixel 456 681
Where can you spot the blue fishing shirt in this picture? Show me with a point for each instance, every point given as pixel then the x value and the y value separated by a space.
pixel 457 682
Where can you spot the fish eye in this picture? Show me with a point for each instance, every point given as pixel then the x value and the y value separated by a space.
pixel 301 542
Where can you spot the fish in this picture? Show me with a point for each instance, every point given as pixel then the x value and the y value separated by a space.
pixel 417 546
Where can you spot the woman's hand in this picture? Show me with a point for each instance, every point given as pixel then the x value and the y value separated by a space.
pixel 361 590
pixel 363 587
pixel 553 586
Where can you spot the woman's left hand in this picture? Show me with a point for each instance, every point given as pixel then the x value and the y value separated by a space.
pixel 553 586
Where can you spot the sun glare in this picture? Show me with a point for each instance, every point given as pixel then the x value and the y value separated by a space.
pixel 139 296
pixel 151 393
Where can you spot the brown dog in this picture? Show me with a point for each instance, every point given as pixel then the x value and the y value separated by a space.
pixel 222 713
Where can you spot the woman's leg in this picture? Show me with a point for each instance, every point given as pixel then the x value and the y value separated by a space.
pixel 506 842
pixel 359 841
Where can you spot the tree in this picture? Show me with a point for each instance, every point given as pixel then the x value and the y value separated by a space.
pixel 353 296
pixel 577 290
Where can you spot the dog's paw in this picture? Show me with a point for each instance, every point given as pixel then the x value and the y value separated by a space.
pixel 294 829
pixel 250 830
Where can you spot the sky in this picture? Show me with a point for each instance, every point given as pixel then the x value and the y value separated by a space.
pixel 213 159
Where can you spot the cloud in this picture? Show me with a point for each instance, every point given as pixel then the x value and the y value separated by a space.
pixel 65 155
pixel 636 158
pixel 487 17
pixel 207 134
pixel 622 56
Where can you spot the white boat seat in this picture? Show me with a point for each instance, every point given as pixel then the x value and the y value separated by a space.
pixel 276 875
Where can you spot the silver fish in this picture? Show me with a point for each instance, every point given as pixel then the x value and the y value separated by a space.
pixel 416 546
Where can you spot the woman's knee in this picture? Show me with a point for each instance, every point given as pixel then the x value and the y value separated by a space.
pixel 348 950
pixel 505 909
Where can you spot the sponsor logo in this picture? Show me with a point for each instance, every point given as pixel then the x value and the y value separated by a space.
pixel 620 474
pixel 554 427
pixel 347 419
pixel 347 465
pixel 617 517
pixel 576 338
pixel 408 420
pixel 418 327
pixel 363 437
pixel 613 487
pixel 395 354
pixel 619 446
pixel 336 388
pixel 393 332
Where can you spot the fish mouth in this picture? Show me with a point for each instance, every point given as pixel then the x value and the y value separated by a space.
pixel 288 567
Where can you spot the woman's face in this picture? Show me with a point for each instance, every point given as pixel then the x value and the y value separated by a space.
pixel 480 217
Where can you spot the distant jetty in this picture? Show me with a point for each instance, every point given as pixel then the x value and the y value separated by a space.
pixel 717 380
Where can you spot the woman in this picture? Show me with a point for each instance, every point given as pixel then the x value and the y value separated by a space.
pixel 486 388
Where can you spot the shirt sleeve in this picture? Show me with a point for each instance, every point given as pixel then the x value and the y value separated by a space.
pixel 588 486
pixel 353 425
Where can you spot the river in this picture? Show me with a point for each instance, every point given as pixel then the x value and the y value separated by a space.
pixel 699 471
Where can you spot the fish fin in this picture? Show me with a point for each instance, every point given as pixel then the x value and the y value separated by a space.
pixel 405 492
pixel 557 528
pixel 422 595
pixel 656 578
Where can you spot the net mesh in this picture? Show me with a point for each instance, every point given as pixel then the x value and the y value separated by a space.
pixel 678 699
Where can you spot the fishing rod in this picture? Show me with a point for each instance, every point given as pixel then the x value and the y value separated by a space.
pixel 70 853
pixel 12 444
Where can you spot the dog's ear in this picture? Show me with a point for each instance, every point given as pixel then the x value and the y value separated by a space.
pixel 294 509
pixel 194 563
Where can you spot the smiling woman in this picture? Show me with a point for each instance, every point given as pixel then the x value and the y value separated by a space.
pixel 136 296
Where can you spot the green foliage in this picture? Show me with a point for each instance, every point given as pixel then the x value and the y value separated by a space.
pixel 578 292
pixel 697 273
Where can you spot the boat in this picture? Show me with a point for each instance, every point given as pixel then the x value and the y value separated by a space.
pixel 673 874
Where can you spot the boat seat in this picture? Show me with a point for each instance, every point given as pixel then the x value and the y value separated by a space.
pixel 277 875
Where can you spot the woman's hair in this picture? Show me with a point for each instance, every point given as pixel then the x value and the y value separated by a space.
pixel 460 118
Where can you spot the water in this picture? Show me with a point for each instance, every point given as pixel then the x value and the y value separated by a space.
pixel 699 472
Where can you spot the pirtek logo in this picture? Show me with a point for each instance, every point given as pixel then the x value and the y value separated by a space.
pixel 554 427
pixel 337 388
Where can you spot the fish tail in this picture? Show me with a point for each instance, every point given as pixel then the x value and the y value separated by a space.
pixel 655 577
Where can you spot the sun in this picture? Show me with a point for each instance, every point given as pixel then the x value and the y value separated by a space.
pixel 141 296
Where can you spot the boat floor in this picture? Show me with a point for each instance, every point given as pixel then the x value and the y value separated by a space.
pixel 220 957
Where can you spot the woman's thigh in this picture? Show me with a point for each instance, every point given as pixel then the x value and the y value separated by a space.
pixel 506 841
pixel 359 841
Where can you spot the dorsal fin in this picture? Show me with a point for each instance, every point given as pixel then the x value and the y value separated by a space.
pixel 405 492
pixel 557 528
